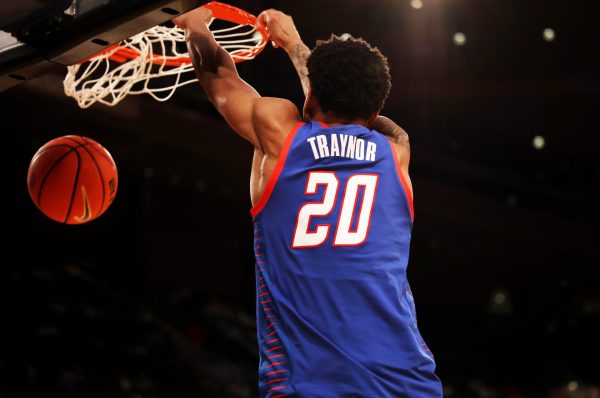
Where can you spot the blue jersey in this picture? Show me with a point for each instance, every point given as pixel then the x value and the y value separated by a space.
pixel 335 314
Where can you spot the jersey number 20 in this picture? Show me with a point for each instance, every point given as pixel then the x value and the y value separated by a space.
pixel 345 235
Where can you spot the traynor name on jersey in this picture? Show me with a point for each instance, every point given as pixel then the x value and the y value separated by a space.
pixel 342 145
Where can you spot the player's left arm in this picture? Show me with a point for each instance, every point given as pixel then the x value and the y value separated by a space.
pixel 399 139
pixel 284 34
pixel 389 128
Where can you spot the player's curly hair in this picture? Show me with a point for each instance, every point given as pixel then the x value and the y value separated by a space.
pixel 349 77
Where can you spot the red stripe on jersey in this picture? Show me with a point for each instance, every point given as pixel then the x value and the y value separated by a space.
pixel 272 341
pixel 276 372
pixel 275 364
pixel 277 380
pixel 277 388
pixel 274 348
pixel 403 181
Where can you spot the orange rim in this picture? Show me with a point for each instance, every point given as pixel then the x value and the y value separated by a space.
pixel 220 11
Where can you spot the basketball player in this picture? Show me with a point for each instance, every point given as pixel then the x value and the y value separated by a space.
pixel 332 212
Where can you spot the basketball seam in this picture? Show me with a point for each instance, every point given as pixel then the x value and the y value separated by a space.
pixel 73 191
pixel 97 150
pixel 90 144
pixel 41 188
pixel 61 144
pixel 79 143
pixel 41 152
pixel 101 179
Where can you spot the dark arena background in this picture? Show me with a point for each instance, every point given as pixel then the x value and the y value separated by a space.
pixel 155 298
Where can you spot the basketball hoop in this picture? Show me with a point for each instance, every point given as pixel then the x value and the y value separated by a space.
pixel 134 65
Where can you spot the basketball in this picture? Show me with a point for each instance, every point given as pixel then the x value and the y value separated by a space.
pixel 72 179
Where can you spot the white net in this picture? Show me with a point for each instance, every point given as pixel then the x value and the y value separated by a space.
pixel 154 62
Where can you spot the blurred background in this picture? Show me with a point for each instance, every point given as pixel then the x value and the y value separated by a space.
pixel 156 298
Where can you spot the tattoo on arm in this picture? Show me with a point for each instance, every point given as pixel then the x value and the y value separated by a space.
pixel 388 128
pixel 206 55
pixel 402 138
pixel 299 55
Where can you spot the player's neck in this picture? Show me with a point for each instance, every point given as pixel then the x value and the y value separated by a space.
pixel 331 120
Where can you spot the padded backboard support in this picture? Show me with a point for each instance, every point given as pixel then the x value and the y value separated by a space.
pixel 61 36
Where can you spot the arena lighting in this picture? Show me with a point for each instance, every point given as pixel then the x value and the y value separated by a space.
pixel 148 172
pixel 539 142
pixel 500 302
pixel 549 34
pixel 511 200
pixel 175 179
pixel 460 39
pixel 500 298
pixel 345 36
pixel 200 185
pixel 573 386
pixel 416 4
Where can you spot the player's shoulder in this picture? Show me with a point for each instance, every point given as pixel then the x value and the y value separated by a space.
pixel 272 113
pixel 270 110
pixel 273 119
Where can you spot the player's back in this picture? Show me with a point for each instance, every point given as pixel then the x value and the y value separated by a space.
pixel 335 313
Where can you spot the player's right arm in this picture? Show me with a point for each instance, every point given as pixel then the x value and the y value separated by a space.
pixel 257 119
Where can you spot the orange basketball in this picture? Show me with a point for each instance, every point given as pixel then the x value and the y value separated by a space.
pixel 72 179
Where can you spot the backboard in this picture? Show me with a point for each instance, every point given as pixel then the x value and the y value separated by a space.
pixel 40 37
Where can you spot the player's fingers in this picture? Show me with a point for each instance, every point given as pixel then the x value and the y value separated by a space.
pixel 179 21
pixel 263 19
pixel 269 16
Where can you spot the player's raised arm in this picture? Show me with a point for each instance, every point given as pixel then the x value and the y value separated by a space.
pixel 283 34
pixel 215 69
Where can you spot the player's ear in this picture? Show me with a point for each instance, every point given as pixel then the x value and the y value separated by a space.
pixel 372 118
pixel 309 93
pixel 309 104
